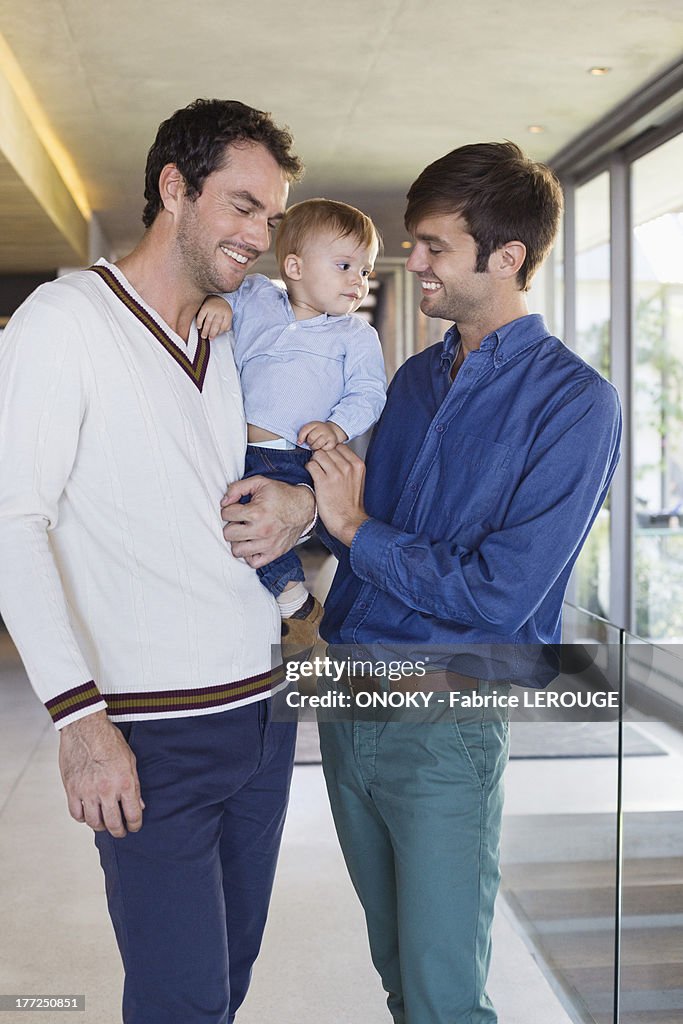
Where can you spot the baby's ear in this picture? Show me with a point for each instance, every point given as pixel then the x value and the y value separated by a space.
pixel 292 266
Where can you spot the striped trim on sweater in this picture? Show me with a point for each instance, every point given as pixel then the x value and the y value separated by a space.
pixel 195 368
pixel 160 702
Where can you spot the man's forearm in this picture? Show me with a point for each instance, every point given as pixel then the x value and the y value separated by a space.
pixel 34 609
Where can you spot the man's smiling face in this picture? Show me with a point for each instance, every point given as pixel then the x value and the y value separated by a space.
pixel 444 258
pixel 221 233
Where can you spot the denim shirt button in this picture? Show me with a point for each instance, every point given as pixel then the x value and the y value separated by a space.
pixel 439 428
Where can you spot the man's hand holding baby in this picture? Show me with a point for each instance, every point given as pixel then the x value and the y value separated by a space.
pixel 339 480
pixel 321 436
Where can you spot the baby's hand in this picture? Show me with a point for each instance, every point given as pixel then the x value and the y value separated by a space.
pixel 321 435
pixel 214 317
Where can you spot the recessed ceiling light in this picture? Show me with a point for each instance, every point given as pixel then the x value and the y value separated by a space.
pixel 536 129
pixel 406 245
pixel 597 71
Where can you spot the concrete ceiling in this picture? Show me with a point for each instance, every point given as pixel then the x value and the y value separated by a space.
pixel 371 91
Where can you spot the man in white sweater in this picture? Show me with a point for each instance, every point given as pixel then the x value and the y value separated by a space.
pixel 120 430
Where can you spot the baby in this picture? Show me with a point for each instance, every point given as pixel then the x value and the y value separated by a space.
pixel 312 373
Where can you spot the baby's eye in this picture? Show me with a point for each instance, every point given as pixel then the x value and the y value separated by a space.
pixel 366 273
pixel 343 266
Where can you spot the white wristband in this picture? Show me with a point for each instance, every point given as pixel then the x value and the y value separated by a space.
pixel 311 526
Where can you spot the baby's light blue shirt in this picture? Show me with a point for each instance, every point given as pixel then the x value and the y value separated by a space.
pixel 294 371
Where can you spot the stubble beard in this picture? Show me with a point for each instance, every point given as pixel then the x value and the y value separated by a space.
pixel 454 308
pixel 201 266
pixel 440 308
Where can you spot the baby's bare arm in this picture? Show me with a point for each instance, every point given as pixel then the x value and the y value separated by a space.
pixel 214 317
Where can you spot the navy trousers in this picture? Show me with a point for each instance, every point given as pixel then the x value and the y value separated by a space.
pixel 188 894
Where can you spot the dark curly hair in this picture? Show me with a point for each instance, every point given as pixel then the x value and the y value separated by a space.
pixel 502 196
pixel 195 140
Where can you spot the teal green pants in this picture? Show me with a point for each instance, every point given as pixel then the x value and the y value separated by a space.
pixel 417 799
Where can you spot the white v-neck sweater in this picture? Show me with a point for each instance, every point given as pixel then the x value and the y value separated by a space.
pixel 117 442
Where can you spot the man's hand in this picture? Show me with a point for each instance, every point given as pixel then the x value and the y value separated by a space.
pixel 270 524
pixel 99 776
pixel 339 479
pixel 319 435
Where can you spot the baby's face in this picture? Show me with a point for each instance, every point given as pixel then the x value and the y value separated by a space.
pixel 335 273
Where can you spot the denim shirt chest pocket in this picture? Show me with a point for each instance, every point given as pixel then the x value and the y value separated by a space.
pixel 474 473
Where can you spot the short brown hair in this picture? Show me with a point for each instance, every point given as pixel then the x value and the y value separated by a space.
pixel 502 196
pixel 313 216
pixel 197 139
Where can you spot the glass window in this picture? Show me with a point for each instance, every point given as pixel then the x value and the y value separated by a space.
pixel 591 578
pixel 558 283
pixel 657 190
pixel 593 272
pixel 546 295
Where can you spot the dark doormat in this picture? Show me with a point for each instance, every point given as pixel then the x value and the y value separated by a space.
pixel 531 741
pixel 544 740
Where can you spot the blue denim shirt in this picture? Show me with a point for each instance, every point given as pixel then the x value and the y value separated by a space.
pixel 481 493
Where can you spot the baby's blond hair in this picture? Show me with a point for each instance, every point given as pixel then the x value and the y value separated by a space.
pixel 313 216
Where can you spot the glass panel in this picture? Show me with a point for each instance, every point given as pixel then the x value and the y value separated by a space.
pixel 593 272
pixel 560 828
pixel 591 577
pixel 652 902
pixel 658 393
pixel 558 283
pixel 546 295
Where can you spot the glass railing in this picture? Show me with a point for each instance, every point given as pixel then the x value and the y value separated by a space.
pixel 592 858
pixel 651 890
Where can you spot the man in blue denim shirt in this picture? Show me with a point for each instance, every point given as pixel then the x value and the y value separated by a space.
pixel 485 473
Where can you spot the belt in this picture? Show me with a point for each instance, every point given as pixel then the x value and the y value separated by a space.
pixel 432 682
